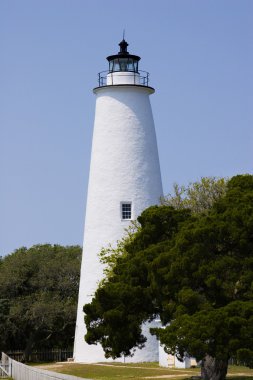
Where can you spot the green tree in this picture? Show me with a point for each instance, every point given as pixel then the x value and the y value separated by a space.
pixel 39 288
pixel 198 196
pixel 192 269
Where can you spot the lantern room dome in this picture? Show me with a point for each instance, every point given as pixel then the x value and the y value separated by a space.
pixel 123 61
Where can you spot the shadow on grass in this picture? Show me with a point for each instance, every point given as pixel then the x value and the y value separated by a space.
pixel 240 377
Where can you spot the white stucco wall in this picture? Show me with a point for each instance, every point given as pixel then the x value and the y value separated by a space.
pixel 124 168
pixel 171 361
pixel 123 77
pixel 164 358
pixel 185 364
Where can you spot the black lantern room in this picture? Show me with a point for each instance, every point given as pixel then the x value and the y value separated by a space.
pixel 123 61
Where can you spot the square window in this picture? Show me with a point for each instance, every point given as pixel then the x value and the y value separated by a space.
pixel 126 211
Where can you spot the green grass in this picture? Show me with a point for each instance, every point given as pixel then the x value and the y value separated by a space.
pixel 234 369
pixel 149 371
pixel 6 378
pixel 118 371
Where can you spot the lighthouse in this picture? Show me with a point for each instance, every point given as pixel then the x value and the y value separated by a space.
pixel 124 180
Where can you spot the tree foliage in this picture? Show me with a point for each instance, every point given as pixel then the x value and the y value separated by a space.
pixel 109 255
pixel 194 270
pixel 198 196
pixel 38 290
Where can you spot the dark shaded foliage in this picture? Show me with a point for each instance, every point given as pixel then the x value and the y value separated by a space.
pixel 195 272
pixel 39 288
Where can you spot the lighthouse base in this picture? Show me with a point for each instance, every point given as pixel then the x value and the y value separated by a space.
pixel 86 353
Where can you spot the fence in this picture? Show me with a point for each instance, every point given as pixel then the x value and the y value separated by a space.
pixel 234 361
pixel 50 355
pixel 20 371
pixel 5 370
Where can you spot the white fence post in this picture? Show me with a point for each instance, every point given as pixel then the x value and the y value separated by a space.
pixel 20 371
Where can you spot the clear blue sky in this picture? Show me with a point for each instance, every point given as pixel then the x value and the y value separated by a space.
pixel 199 55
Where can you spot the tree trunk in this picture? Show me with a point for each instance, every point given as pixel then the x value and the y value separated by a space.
pixel 28 349
pixel 213 369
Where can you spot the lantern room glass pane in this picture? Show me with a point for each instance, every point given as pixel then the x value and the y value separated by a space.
pixel 111 66
pixel 123 64
pixel 116 66
pixel 130 65
pixel 136 66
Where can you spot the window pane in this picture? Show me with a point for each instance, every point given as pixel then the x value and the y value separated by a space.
pixel 123 64
pixel 116 65
pixel 136 66
pixel 126 211
pixel 130 65
pixel 110 65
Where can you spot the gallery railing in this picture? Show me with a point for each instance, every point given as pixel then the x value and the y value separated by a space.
pixel 141 78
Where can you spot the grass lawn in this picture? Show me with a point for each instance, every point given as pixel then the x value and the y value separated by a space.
pixel 135 371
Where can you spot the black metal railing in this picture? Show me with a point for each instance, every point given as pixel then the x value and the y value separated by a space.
pixel 43 355
pixel 141 78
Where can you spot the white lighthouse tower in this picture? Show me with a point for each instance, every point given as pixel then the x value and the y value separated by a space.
pixel 124 180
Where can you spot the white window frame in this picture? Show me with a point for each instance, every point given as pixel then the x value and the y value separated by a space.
pixel 121 210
